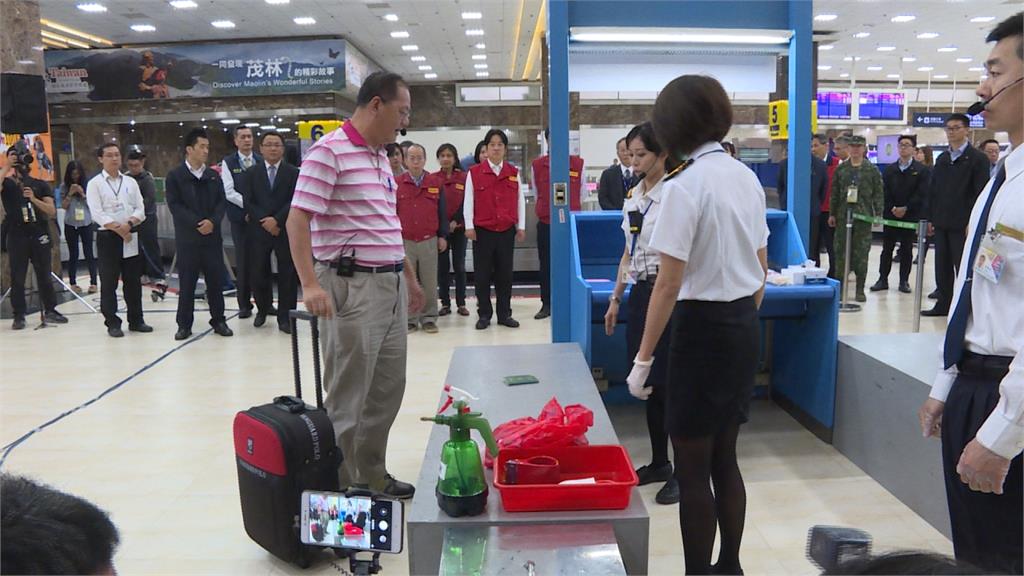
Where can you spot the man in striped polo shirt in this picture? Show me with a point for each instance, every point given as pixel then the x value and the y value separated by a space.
pixel 358 280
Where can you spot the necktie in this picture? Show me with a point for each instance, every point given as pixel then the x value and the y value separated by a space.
pixel 953 348
pixel 272 174
pixel 246 163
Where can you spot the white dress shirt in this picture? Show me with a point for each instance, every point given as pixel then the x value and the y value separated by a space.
pixel 714 219
pixel 627 172
pixel 955 153
pixel 114 199
pixel 996 324
pixel 468 202
pixel 232 195
pixel 643 261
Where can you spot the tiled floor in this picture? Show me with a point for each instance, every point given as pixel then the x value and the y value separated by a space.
pixel 157 452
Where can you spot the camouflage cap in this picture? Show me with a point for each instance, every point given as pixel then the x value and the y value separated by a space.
pixel 856 140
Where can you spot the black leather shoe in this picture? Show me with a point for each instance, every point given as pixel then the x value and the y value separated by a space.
pixel 483 323
pixel 260 320
pixel 905 287
pixel 669 493
pixel 54 317
pixel 144 328
pixel 19 323
pixel 245 313
pixel 115 332
pixel 543 313
pixel 649 474
pixel 444 311
pixel 395 488
pixel 284 328
pixel 934 295
pixel 272 311
pixel 509 322
pixel 221 328
pixel 935 312
pixel 182 334
pixel 880 285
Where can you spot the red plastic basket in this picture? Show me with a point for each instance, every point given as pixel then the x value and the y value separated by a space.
pixel 610 465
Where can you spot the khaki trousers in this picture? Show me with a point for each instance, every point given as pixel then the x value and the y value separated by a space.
pixel 364 352
pixel 423 256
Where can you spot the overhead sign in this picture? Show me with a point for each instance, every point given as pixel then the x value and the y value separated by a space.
pixel 938 120
pixel 196 70
pixel 315 129
pixel 778 119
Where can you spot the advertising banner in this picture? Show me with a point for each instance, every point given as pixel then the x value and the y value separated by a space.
pixel 196 71
pixel 42 154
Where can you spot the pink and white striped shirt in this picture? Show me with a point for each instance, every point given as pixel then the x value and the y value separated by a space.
pixel 349 190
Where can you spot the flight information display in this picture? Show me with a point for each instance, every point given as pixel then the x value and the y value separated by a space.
pixel 890 106
pixel 835 105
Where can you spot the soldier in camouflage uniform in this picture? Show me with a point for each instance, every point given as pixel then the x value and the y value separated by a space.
pixel 856 172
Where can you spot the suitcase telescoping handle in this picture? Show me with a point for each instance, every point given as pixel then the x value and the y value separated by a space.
pixel 294 316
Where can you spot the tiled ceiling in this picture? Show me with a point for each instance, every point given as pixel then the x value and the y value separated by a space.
pixel 436 27
pixel 949 19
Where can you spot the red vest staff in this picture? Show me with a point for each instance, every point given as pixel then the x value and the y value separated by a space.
pixel 453 182
pixel 542 184
pixel 495 212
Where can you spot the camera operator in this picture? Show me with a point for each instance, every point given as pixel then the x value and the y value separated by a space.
pixel 29 206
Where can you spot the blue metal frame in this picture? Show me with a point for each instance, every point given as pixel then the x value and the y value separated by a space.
pixel 801 58
pixel 558 121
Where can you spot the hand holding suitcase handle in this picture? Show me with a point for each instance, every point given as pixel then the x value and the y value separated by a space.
pixel 294 316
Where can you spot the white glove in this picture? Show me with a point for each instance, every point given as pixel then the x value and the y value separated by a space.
pixel 638 376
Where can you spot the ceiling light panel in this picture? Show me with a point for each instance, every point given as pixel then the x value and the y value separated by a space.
pixel 426 68
pixel 418 58
pixel 304 20
pixel 92 7
pixel 183 4
pixel 277 2
pixel 903 18
pixel 483 74
pixel 400 34
pixel 927 35
pixel 410 48
pixel 982 19
pixel 825 47
pixel 391 17
pixel 474 32
pixel 885 48
pixel 480 66
pixel 479 56
pixel 430 76
pixel 223 24
pixel 825 17
pixel 472 15
pixel 862 34
pixel 480 46
pixel 143 27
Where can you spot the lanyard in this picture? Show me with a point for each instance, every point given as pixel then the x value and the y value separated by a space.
pixel 643 215
pixel 117 193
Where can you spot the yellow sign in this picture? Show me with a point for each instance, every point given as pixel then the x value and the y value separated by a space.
pixel 778 119
pixel 314 129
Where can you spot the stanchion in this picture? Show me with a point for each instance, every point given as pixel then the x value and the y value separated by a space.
pixel 73 293
pixel 922 232
pixel 845 306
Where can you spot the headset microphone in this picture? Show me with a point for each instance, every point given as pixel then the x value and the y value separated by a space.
pixel 403 131
pixel 979 107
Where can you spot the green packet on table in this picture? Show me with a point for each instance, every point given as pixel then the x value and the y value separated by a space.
pixel 520 379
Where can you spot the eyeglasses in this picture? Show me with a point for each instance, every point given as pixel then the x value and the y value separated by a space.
pixel 955 128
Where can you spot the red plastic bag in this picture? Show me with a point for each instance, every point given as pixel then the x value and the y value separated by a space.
pixel 554 427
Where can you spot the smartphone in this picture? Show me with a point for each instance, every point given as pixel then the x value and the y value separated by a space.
pixel 359 522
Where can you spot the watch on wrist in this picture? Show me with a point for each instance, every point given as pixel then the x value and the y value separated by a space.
pixel 615 299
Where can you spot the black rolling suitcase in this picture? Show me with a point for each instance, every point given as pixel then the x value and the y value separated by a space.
pixel 281 449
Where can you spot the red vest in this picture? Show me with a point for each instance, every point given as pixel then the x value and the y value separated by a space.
pixel 418 206
pixel 832 165
pixel 542 175
pixel 495 197
pixel 454 191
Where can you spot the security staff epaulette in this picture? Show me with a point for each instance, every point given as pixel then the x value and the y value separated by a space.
pixel 630 193
pixel 679 169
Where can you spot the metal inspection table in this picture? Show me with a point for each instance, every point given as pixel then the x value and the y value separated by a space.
pixel 563 373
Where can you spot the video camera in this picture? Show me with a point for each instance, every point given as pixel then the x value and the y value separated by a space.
pixel 21 158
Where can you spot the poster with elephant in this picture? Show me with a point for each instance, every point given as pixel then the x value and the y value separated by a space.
pixel 41 152
pixel 196 71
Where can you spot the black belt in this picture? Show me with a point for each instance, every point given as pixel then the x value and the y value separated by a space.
pixel 368 269
pixel 983 366
pixel 649 279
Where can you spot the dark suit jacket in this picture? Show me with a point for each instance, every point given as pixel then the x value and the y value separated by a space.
pixel 261 200
pixel 191 201
pixel 955 186
pixel 819 184
pixel 610 192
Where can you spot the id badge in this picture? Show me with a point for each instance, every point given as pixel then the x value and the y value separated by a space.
pixel 851 194
pixel 989 264
pixel 79 214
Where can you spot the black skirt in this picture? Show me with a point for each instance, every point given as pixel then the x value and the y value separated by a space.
pixel 712 364
pixel 639 298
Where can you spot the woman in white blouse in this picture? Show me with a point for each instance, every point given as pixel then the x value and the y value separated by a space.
pixel 712 235
pixel 639 268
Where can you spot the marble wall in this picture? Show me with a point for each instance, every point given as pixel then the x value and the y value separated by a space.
pixel 21 51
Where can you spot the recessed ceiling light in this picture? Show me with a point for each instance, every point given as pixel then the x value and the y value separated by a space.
pixel 474 32
pixel 284 130
pixel 252 124
pixel 430 76
pixel 143 27
pixel 885 48
pixel 223 24
pixel 483 74
pixel 976 69
pixel 947 49
pixel 825 17
pixel 418 58
pixel 825 47
pixel 480 66
pixel 927 36
pixel 903 18
pixel 479 56
pixel 268 127
pixel 93 7
pixel 184 4
pixel 909 59
pixel 940 76
pixel 410 48
pixel 304 20
pixel 983 18
pixel 964 60
pixel 480 46
pixel 391 17
pixel 862 34
pixel 276 2
pixel 400 34
pixel 230 121
pixel 925 69
pixel 874 68
pixel 844 75
pixel 426 67
pixel 472 15
pixel 851 59
pixel 892 75
pixel 824 67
